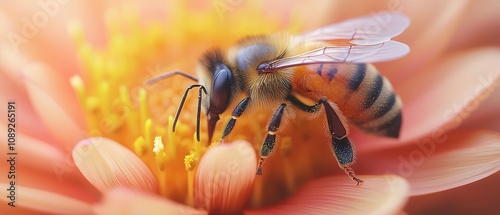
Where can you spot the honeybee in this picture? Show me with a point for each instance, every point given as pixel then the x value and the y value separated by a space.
pixel 326 70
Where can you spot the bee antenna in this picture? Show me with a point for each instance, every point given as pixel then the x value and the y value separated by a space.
pixel 177 114
pixel 168 75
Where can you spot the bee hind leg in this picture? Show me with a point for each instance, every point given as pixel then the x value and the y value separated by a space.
pixel 341 145
pixel 268 146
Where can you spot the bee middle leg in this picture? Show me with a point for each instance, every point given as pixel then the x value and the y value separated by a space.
pixel 268 146
pixel 341 145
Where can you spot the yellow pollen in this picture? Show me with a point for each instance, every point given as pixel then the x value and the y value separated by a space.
pixel 159 151
pixel 160 157
pixel 190 162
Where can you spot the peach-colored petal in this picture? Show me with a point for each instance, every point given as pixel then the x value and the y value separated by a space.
pixel 428 36
pixel 39 155
pixel 19 210
pixel 82 191
pixel 107 165
pixel 480 26
pixel 439 100
pixel 440 162
pixel 458 167
pixel 337 195
pixel 29 122
pixel 123 201
pixel 43 201
pixel 480 197
pixel 49 33
pixel 48 168
pixel 225 177
pixel 53 34
pixel 11 60
pixel 487 115
pixel 55 103
pixel 449 93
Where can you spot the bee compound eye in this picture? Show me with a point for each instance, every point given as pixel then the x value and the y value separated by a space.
pixel 221 92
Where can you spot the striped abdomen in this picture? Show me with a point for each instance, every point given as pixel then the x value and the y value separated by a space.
pixel 364 96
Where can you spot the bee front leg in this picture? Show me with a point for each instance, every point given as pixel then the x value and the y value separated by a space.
pixel 268 146
pixel 341 145
pixel 237 112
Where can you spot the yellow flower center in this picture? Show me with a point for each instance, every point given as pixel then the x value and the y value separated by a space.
pixel 119 106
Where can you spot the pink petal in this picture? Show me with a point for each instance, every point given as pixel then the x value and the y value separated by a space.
pixel 82 191
pixel 46 167
pixel 451 92
pixel 337 195
pixel 487 115
pixel 30 122
pixel 11 60
pixel 42 156
pixel 122 201
pixel 225 177
pixel 107 165
pixel 480 197
pixel 439 100
pixel 43 201
pixel 480 26
pixel 439 163
pixel 4 207
pixel 51 35
pixel 55 102
pixel 428 36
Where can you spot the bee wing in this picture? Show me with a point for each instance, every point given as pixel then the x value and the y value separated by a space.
pixel 341 54
pixel 367 30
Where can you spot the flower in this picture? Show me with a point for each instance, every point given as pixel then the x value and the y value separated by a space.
pixel 108 125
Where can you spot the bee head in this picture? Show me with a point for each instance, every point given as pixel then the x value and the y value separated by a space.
pixel 217 77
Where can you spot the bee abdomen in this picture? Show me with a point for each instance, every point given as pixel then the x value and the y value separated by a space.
pixel 379 108
pixel 364 96
pixel 357 78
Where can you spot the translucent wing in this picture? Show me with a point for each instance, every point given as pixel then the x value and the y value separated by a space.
pixel 368 40
pixel 341 54
pixel 367 30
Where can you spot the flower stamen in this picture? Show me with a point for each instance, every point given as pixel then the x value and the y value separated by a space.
pixel 171 136
pixel 139 146
pixel 159 151
pixel 160 157
pixel 104 97
pixel 190 162
pixel 77 84
pixel 143 106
